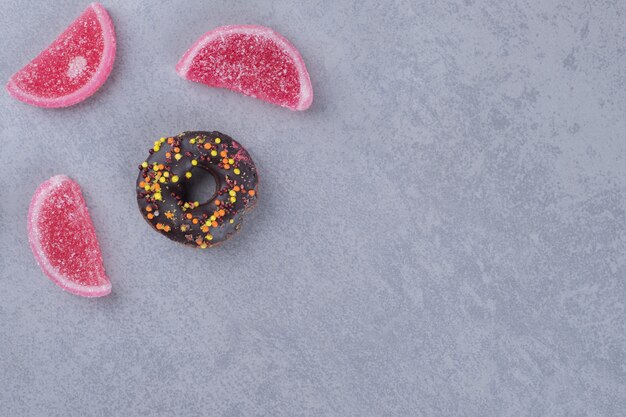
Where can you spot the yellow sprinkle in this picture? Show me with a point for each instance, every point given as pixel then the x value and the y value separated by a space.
pixel 209 237
pixel 212 218
pixel 166 174
pixel 162 140
pixel 186 205
pixel 188 174
pixel 236 171
pixel 232 220
pixel 203 246
pixel 178 156
pixel 232 193
pixel 192 141
pixel 214 153
pixel 194 162
pixel 157 196
pixel 196 203
pixel 218 140
pixel 146 187
pixel 175 178
pixel 231 161
pixel 233 199
pixel 155 167
pixel 162 180
pixel 144 164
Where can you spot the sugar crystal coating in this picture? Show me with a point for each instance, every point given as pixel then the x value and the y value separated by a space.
pixel 252 60
pixel 64 240
pixel 73 67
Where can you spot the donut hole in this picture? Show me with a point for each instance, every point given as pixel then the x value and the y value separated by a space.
pixel 201 187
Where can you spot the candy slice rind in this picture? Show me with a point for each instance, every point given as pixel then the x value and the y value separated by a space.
pixel 73 67
pixel 192 59
pixel 63 239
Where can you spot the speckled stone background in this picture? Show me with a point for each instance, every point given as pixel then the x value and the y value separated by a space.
pixel 443 233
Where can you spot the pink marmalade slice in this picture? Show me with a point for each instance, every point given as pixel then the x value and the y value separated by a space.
pixel 253 60
pixel 63 238
pixel 73 67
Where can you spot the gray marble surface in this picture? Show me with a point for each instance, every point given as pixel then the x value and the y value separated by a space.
pixel 443 233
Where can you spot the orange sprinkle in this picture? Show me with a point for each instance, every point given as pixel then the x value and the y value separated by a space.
pixel 252 193
pixel 189 215
pixel 207 146
pixel 157 186
pixel 168 154
pixel 159 226
pixel 161 167
pixel 177 149
pixel 226 166
pixel 223 154
pixel 150 216
pixel 217 202
pixel 170 141
pixel 199 241
pixel 167 228
pixel 237 188
pixel 214 223
pixel 204 229
pixel 142 184
pixel 195 221
pixel 222 213
pixel 149 209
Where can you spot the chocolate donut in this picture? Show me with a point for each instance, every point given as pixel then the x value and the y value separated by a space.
pixel 166 183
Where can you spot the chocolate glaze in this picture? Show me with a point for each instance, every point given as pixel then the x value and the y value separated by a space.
pixel 202 223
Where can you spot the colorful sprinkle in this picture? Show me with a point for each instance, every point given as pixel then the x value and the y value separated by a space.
pixel 190 221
